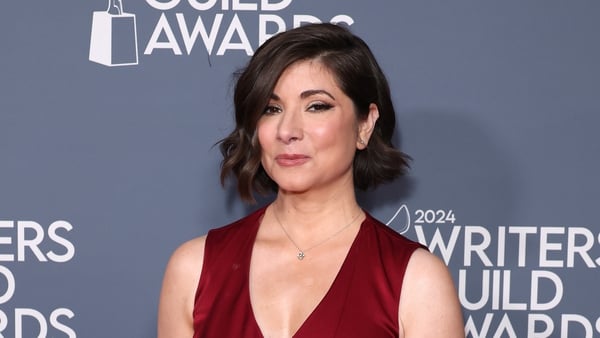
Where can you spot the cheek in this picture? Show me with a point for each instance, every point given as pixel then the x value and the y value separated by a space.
pixel 265 136
pixel 325 137
pixel 262 133
pixel 334 134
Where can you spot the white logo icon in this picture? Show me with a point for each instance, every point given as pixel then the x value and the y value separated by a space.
pixel 113 40
pixel 401 220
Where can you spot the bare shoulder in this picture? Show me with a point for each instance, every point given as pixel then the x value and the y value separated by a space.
pixel 429 305
pixel 185 264
pixel 178 289
pixel 189 255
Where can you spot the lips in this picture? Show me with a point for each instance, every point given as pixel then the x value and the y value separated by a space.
pixel 291 160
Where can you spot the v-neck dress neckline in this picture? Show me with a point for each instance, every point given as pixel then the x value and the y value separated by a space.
pixel 362 300
pixel 346 269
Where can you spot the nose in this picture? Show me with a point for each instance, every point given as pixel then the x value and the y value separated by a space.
pixel 290 126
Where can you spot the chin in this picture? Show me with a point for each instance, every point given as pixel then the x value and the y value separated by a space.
pixel 294 189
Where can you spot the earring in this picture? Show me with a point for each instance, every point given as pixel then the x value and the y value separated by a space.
pixel 361 141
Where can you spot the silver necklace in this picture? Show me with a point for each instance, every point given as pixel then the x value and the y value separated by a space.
pixel 302 253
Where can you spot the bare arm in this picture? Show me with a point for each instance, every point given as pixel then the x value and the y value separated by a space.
pixel 429 306
pixel 176 301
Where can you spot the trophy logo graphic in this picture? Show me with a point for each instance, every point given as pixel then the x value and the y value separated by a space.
pixel 113 41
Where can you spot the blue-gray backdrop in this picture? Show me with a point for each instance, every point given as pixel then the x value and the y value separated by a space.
pixel 108 120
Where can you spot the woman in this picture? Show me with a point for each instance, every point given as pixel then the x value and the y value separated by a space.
pixel 314 120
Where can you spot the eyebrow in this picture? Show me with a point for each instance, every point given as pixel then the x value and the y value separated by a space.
pixel 312 92
pixel 307 93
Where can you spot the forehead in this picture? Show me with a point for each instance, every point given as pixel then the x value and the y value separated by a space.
pixel 307 74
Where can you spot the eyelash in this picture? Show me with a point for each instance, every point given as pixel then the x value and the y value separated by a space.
pixel 318 107
pixel 271 109
pixel 315 107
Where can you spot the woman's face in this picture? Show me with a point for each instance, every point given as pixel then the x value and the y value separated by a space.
pixel 309 132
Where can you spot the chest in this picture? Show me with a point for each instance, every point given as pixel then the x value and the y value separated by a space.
pixel 285 291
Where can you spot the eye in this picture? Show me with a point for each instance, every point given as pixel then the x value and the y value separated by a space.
pixel 271 110
pixel 319 107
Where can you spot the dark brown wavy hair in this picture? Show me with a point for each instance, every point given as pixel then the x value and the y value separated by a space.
pixel 357 74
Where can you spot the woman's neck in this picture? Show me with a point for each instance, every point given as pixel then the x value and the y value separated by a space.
pixel 315 214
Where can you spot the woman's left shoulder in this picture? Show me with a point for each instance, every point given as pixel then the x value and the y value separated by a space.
pixel 391 235
pixel 425 265
pixel 429 305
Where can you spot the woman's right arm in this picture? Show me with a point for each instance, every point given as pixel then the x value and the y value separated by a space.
pixel 176 303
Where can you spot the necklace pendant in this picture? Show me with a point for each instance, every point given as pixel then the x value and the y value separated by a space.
pixel 300 255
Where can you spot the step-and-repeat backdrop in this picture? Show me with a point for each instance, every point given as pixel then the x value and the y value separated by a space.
pixel 109 112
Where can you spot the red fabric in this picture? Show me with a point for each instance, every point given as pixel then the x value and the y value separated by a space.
pixel 361 302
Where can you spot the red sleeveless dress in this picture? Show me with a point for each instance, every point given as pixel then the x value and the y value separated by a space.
pixel 361 302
